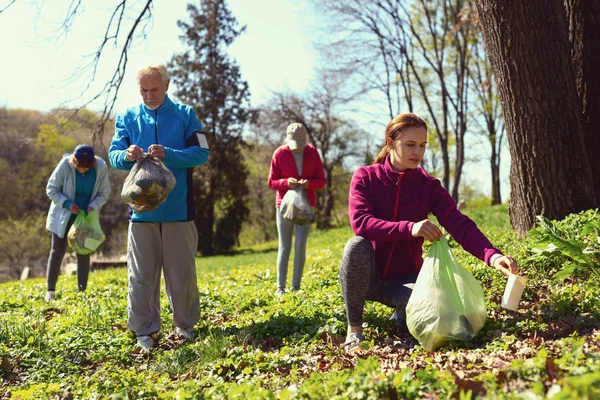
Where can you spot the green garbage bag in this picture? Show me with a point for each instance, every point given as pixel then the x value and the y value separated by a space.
pixel 447 302
pixel 85 235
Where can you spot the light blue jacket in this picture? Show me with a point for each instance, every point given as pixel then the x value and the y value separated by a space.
pixel 172 125
pixel 61 187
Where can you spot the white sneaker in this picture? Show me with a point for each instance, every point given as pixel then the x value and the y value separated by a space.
pixel 186 333
pixel 50 295
pixel 145 342
pixel 352 344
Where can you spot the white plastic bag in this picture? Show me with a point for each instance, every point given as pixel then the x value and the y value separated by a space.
pixel 447 302
pixel 148 184
pixel 295 207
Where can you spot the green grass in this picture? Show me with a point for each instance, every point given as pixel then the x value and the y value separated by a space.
pixel 253 344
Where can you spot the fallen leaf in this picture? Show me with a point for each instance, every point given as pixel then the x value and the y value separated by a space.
pixel 464 385
pixel 537 340
pixel 5 364
pixel 552 369
pixel 501 377
pixel 118 327
pixel 50 312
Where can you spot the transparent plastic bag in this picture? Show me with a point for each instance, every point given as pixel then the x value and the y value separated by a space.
pixel 447 302
pixel 148 184
pixel 295 207
pixel 85 235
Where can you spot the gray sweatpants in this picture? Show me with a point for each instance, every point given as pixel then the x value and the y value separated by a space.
pixel 361 281
pixel 169 247
pixel 285 229
pixel 57 253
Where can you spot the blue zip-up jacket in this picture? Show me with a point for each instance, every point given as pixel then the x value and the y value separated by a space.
pixel 172 125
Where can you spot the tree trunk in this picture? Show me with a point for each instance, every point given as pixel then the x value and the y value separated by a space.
pixel 445 164
pixel 583 18
pixel 528 46
pixel 496 198
pixel 324 221
pixel 495 166
pixel 205 221
pixel 460 159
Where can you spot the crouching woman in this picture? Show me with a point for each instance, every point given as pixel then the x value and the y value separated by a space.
pixel 389 202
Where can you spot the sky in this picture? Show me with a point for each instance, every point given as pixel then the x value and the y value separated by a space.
pixel 40 61
pixel 276 52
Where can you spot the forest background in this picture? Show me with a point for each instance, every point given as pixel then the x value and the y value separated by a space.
pixel 375 59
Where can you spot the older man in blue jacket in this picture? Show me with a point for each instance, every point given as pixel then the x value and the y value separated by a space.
pixel 164 239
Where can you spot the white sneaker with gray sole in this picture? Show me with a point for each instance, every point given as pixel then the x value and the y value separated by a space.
pixel 187 334
pixel 145 342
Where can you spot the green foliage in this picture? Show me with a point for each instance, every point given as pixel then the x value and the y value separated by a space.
pixel 54 143
pixel 255 345
pixel 571 246
pixel 260 226
pixel 10 191
pixel 22 241
pixel 490 218
pixel 31 145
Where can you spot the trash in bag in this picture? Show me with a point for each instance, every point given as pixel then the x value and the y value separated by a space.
pixel 295 207
pixel 148 184
pixel 447 302
pixel 85 235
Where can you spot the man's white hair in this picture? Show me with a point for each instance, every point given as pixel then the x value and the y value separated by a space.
pixel 160 68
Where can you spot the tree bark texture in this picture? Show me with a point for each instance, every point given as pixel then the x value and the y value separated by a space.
pixel 530 53
pixel 583 18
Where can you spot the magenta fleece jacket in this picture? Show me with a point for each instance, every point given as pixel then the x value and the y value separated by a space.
pixel 384 204
pixel 283 167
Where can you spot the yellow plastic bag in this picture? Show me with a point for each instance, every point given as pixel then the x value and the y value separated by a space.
pixel 447 302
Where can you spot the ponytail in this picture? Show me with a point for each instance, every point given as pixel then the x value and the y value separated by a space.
pixel 380 159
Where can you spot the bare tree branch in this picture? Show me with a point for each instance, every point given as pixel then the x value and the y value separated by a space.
pixel 9 4
pixel 71 14
pixel 110 89
pixel 112 35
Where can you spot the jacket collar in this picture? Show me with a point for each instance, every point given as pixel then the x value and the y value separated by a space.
pixel 393 174
pixel 287 149
pixel 162 109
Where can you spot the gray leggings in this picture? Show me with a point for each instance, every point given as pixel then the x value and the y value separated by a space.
pixel 361 281
pixel 285 229
pixel 57 253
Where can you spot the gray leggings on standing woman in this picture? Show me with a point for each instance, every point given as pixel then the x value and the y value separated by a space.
pixel 285 230
pixel 57 253
pixel 361 281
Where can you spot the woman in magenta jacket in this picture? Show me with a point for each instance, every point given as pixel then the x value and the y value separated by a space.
pixel 388 206
pixel 296 163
